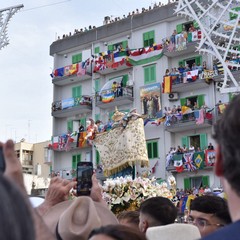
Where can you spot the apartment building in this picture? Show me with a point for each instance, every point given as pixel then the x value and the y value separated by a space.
pixel 135 53
pixel 35 165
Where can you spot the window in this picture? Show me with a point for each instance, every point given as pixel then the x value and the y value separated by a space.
pixel 83 122
pixel 97 50
pixel 77 58
pixel 117 46
pixel 97 158
pixel 149 74
pixel 77 91
pixel 197 60
pixel 199 99
pixel 185 26
pixel 199 140
pixel 148 38
pixel 70 126
pixel 97 85
pixel 75 160
pixel 197 182
pixel 152 148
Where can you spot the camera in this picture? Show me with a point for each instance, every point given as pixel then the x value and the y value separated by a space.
pixel 84 178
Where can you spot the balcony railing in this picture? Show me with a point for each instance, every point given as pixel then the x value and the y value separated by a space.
pixel 180 42
pixel 68 142
pixel 109 97
pixel 80 104
pixel 195 119
pixel 190 161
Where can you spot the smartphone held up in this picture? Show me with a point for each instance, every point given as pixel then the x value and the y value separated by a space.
pixel 84 178
pixel 2 161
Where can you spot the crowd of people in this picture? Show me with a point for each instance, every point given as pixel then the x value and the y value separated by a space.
pixel 115 19
pixel 88 217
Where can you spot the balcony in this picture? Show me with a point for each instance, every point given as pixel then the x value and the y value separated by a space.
pixel 203 160
pixel 183 122
pixel 72 106
pixel 72 74
pixel 28 163
pixel 69 142
pixel 107 98
pixel 180 44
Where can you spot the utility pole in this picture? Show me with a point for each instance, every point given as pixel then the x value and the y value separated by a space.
pixel 5 16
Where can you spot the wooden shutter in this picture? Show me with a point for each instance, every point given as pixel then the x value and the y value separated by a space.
pixel 77 58
pixel 179 28
pixel 83 122
pixel 203 141
pixel 187 183
pixel 124 44
pixel 124 80
pixel 200 100
pixel 77 91
pixel 145 39
pixel 96 50
pixel 78 158
pixel 97 85
pixel 155 149
pixel 74 162
pixel 205 181
pixel 149 149
pixel 183 101
pixel 198 60
pixel 182 62
pixel 97 157
pixel 110 47
pixel 151 37
pixel 70 126
pixel 185 141
pixel 153 73
pixel 146 75
pixel 195 24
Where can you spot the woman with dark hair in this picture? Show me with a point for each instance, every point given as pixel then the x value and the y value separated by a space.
pixel 116 232
pixel 16 222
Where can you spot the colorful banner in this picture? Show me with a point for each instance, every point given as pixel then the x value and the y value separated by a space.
pixel 199 159
pixel 210 157
pixel 167 84
pixel 151 100
pixel 188 162
pixel 178 163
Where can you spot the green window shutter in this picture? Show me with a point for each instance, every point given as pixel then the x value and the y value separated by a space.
pixel 110 115
pixel 198 60
pixel 145 39
pixel 205 181
pixel 97 50
pixel 151 37
pixel 77 91
pixel 74 162
pixel 200 100
pixel 185 141
pixel 97 157
pixel 97 85
pixel 182 62
pixel 195 24
pixel 124 44
pixel 187 183
pixel 179 28
pixel 149 150
pixel 155 149
pixel 70 126
pixel 124 80
pixel 78 158
pixel 83 122
pixel 203 141
pixel 183 101
pixel 77 58
pixel 153 73
pixel 110 47
pixel 146 75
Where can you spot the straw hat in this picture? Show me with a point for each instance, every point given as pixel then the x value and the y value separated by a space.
pixel 75 219
pixel 117 116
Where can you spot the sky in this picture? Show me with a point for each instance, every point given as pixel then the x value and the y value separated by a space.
pixel 25 64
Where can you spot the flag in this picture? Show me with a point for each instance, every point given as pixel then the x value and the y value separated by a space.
pixel 186 110
pixel 199 159
pixel 178 163
pixel 81 71
pixel 108 97
pixel 189 164
pixel 192 75
pixel 73 69
pixel 210 157
pixel 167 83
pixel 66 70
pixel 59 72
pixel 200 119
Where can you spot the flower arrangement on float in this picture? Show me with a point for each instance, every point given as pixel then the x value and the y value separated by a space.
pixel 125 193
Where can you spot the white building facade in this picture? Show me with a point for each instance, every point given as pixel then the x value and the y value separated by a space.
pixel 136 51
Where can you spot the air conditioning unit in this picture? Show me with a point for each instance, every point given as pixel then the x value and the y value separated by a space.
pixel 173 96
